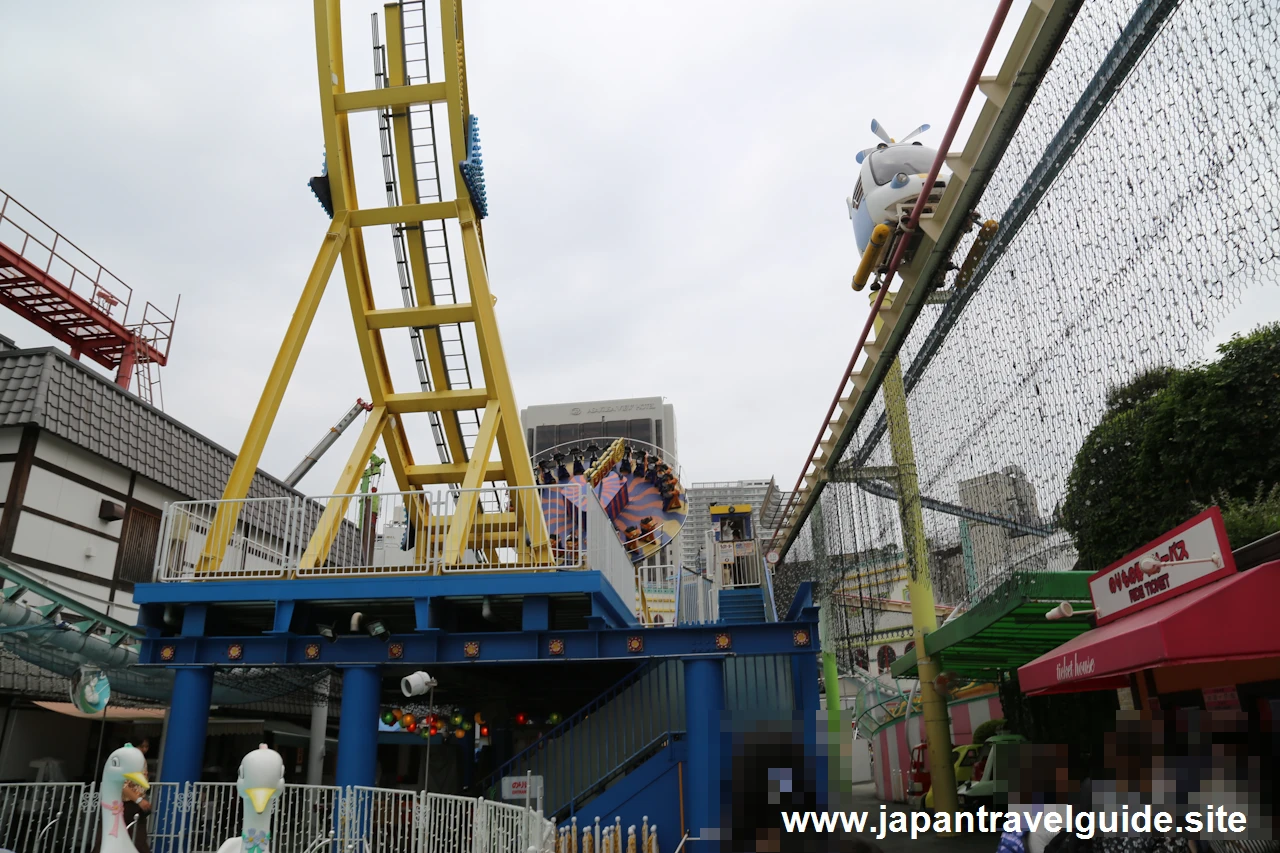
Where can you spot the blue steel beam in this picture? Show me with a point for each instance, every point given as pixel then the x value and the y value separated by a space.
pixel 440 647
pixel 608 603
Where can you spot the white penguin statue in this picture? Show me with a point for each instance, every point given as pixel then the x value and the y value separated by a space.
pixel 125 764
pixel 260 783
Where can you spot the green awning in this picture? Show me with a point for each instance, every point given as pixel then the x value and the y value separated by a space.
pixel 1007 628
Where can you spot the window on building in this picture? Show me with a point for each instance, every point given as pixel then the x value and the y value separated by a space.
pixel 138 542
pixel 641 429
pixel 544 437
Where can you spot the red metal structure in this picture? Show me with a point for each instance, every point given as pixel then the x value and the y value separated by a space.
pixel 50 281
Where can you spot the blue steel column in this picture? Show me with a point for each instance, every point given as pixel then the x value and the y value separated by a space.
pixel 704 705
pixel 358 727
pixel 188 724
pixel 804 688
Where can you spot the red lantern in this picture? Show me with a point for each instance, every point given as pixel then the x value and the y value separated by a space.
pixel 484 731
pixel 434 730
pixel 521 719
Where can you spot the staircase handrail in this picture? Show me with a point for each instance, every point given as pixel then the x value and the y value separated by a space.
pixel 771 608
pixel 648 750
pixel 567 723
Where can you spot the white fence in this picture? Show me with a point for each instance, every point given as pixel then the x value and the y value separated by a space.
pixel 697 598
pixel 200 817
pixel 393 533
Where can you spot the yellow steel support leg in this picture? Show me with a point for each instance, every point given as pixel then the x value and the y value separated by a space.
pixel 327 528
pixel 345 239
pixel 924 617
pixel 465 511
pixel 246 464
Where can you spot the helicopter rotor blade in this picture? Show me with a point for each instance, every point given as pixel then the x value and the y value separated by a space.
pixel 878 130
pixel 913 134
pixel 862 155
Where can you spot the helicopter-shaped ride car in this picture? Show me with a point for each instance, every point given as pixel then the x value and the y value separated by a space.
pixel 889 186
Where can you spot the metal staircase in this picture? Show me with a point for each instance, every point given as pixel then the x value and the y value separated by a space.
pixel 630 723
pixel 605 739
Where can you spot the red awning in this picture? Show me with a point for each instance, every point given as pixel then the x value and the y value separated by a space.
pixel 1233 619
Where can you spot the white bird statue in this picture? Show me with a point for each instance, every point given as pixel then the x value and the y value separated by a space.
pixel 260 783
pixel 125 764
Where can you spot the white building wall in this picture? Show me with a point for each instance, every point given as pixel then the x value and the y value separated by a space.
pixel 10 438
pixel 77 460
pixel 46 540
pixel 153 494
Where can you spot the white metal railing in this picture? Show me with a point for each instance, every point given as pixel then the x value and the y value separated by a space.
pixel 737 564
pixel 493 543
pixel 659 585
pixel 606 553
pixel 200 817
pixel 380 533
pixel 258 540
pixel 44 817
pixel 369 533
pixel 699 599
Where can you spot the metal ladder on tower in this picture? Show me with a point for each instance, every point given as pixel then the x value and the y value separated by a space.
pixel 447 337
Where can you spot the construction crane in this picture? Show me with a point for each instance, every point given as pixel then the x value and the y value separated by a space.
pixel 325 443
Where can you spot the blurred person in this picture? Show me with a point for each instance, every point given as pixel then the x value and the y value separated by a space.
pixel 1135 755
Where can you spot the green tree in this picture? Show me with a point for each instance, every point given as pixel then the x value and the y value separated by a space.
pixel 1173 441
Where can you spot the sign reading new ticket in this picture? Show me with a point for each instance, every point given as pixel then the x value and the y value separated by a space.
pixel 1187 557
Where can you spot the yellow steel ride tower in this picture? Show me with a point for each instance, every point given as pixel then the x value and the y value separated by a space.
pixel 522 525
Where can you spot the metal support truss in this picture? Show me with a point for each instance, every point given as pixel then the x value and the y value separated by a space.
pixel 879 481
pixel 345 240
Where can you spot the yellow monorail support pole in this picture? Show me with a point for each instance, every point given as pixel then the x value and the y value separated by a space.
pixel 924 616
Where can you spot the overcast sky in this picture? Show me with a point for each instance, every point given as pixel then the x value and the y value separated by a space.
pixel 666 185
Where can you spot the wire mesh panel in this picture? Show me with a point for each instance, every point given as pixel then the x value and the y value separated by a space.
pixel 216 814
pixel 47 817
pixel 509 828
pixel 257 538
pixel 166 826
pixel 1137 205
pixel 304 819
pixel 447 823
pixel 201 817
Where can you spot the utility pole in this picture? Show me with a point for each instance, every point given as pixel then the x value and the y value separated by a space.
pixel 924 618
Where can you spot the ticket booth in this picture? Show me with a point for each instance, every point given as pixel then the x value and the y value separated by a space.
pixel 1177 626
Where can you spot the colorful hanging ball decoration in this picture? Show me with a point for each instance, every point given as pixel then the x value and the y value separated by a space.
pixel 388 718
pixel 554 719
pixel 434 730
pixel 457 719
pixel 408 721
pixel 396 714
pixel 484 731
pixel 426 733
pixel 459 734
pixel 521 719
pixel 467 725
pixel 411 727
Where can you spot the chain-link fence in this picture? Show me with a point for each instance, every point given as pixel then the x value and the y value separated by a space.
pixel 1062 405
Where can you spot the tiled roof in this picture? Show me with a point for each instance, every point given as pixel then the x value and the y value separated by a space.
pixel 47 388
